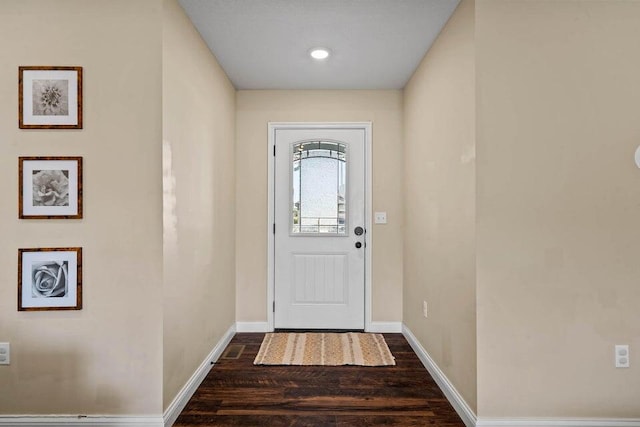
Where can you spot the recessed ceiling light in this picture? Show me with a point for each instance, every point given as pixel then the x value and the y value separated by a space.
pixel 319 53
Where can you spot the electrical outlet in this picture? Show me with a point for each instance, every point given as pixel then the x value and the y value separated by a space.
pixel 5 353
pixel 622 356
pixel 425 310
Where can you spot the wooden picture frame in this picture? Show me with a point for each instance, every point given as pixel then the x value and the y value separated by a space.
pixel 49 97
pixel 50 187
pixel 49 279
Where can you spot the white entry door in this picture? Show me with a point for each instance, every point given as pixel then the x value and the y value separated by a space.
pixel 319 228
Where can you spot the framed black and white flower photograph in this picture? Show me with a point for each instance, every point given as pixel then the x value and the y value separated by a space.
pixel 50 97
pixel 49 279
pixel 50 187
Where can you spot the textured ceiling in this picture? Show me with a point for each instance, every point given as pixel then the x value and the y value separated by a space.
pixel 264 44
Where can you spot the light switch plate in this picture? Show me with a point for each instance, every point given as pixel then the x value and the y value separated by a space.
pixel 380 217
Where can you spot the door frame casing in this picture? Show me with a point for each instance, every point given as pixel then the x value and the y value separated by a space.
pixel 273 127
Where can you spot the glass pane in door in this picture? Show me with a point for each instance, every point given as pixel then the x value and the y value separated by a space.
pixel 318 185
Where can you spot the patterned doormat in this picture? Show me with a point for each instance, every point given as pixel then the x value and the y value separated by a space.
pixel 324 349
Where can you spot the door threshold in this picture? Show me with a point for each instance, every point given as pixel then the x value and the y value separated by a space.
pixel 317 330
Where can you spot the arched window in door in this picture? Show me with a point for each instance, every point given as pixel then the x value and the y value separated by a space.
pixel 319 187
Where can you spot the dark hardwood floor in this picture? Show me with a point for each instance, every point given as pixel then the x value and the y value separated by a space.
pixel 237 393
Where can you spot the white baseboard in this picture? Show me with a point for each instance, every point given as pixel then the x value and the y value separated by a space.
pixel 560 422
pixel 182 398
pixel 253 327
pixel 68 420
pixel 455 398
pixel 385 327
pixel 170 415
pixel 471 420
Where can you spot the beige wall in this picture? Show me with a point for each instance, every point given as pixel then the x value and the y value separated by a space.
pixel 103 358
pixel 557 223
pixel 439 180
pixel 551 253
pixel 198 168
pixel 255 109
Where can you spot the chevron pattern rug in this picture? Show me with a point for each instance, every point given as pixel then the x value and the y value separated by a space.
pixel 324 349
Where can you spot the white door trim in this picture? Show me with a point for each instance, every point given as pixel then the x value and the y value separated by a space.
pixel 273 126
